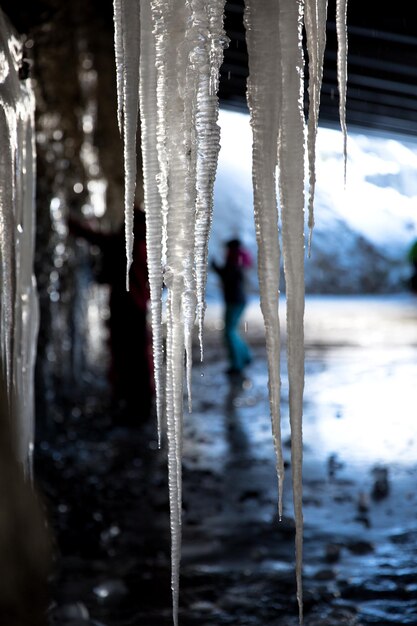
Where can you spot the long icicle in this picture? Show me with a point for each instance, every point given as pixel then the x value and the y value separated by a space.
pixel 291 172
pixel 169 29
pixel 130 22
pixel 193 53
pixel 208 141
pixel 178 249
pixel 315 25
pixel 161 11
pixel 264 100
pixel 119 54
pixel 341 30
pixel 174 418
pixel 153 205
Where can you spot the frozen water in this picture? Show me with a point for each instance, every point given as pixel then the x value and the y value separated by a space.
pixel 264 99
pixel 291 185
pixel 127 49
pixel 153 204
pixel 341 30
pixel 315 25
pixel 19 306
pixel 181 52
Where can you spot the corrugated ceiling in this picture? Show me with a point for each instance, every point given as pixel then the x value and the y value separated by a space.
pixel 382 66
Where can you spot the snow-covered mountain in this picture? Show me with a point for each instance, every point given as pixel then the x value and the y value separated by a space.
pixel 362 232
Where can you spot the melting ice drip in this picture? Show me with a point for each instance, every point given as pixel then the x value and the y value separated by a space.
pixel 168 56
pixel 18 305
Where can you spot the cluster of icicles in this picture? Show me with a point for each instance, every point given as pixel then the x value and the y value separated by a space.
pixel 168 57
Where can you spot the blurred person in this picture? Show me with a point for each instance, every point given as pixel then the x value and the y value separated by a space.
pixel 232 276
pixel 131 368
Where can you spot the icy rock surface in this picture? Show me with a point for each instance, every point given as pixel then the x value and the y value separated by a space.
pixel 18 303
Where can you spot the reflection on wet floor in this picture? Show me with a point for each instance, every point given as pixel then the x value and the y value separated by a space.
pixel 111 510
pixel 360 454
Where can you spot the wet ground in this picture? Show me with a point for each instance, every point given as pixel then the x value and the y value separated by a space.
pixel 106 488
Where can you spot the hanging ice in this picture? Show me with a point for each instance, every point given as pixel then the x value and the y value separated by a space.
pixel 315 25
pixel 181 49
pixel 148 115
pixel 181 46
pixel 275 96
pixel 18 304
pixel 341 30
pixel 291 184
pixel 127 49
pixel 118 52
pixel 208 140
pixel 264 99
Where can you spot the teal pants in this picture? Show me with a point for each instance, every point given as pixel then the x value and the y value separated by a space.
pixel 239 353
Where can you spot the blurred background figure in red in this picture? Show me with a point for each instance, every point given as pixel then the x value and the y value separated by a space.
pixel 131 368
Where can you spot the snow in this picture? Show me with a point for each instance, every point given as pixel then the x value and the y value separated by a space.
pixel 362 233
pixel 380 195
pixel 18 306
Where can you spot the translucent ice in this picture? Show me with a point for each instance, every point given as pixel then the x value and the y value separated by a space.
pixel 291 185
pixel 181 50
pixel 315 25
pixel 264 99
pixel 341 30
pixel 127 48
pixel 18 305
pixel 153 204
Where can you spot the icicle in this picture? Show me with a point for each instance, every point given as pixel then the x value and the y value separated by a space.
pixel 168 30
pixel 208 141
pixel 119 53
pixel 264 99
pixel 179 251
pixel 153 205
pixel 26 302
pixel 187 43
pixel 341 30
pixel 7 201
pixel 315 24
pixel 174 397
pixel 291 171
pixel 161 11
pixel 127 18
pixel 19 305
pixel 189 302
pixel 194 51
